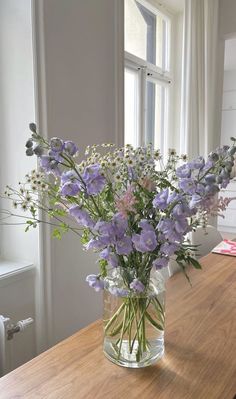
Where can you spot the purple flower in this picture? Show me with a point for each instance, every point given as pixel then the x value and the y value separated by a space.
pixel 109 256
pixel 137 286
pixel 104 228
pixel 196 200
pixel 168 228
pixel 119 291
pixel 169 248
pixel 146 226
pixel 120 225
pixel 56 144
pixel 95 282
pixel 56 156
pixel 187 185
pixel 90 172
pixel 49 165
pixel 183 171
pixel 160 263
pixel 210 178
pixel 69 188
pixel 70 147
pixel 115 229
pixel 94 181
pixel 106 232
pixel 200 189
pixel 145 242
pixel 174 196
pixel 181 225
pixel 81 216
pixel 181 210
pixel 124 246
pixel 207 166
pixel 69 175
pixel 94 244
pixel 160 200
pixel 96 185
pixel 197 163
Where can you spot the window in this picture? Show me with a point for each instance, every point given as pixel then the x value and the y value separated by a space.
pixel 147 74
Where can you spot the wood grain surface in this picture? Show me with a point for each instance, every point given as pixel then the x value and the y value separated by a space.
pixel 199 361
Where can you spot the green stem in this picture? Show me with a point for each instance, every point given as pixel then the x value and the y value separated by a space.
pixel 122 332
pixel 138 324
pixel 111 321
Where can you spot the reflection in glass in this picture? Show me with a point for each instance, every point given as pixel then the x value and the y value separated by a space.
pixel 131 107
pixel 144 33
pixel 155 111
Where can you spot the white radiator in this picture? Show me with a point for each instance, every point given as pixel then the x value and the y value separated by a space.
pixel 7 333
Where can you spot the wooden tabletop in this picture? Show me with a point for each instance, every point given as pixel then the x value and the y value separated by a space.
pixel 199 361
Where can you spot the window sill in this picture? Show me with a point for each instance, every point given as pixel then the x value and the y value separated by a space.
pixel 9 268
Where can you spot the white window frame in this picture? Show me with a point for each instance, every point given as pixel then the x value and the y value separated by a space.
pixel 150 72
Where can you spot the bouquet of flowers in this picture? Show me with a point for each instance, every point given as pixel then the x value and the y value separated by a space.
pixel 134 210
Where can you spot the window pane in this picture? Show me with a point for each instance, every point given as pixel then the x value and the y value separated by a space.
pixel 144 33
pixel 131 107
pixel 155 111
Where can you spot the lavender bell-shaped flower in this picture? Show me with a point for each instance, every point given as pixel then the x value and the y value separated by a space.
pixel 95 282
pixel 137 286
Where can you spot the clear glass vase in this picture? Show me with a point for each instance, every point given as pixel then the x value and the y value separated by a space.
pixel 134 323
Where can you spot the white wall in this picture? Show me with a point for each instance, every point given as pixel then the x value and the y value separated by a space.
pixel 228 126
pixel 227 18
pixel 17 292
pixel 16 111
pixel 77 68
pixel 17 298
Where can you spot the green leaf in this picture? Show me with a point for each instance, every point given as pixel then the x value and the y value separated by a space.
pixel 56 234
pixel 195 263
pixel 109 193
pixel 32 211
pixel 183 267
pixel 85 237
pixel 64 227
pixel 60 212
pixel 153 322
pixel 103 267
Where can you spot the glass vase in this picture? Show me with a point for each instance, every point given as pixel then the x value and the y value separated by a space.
pixel 134 323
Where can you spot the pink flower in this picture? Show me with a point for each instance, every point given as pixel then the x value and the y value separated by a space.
pixel 214 206
pixel 127 202
pixel 147 183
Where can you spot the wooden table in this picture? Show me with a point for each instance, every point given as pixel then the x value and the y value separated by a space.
pixel 199 362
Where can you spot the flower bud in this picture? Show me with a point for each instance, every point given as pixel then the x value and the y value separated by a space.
pixel 219 179
pixel 210 178
pixel 232 150
pixel 56 144
pixel 29 143
pixel 32 127
pixel 29 152
pixel 212 189
pixel 224 174
pixel 38 150
pixel 213 156
pixel 70 147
